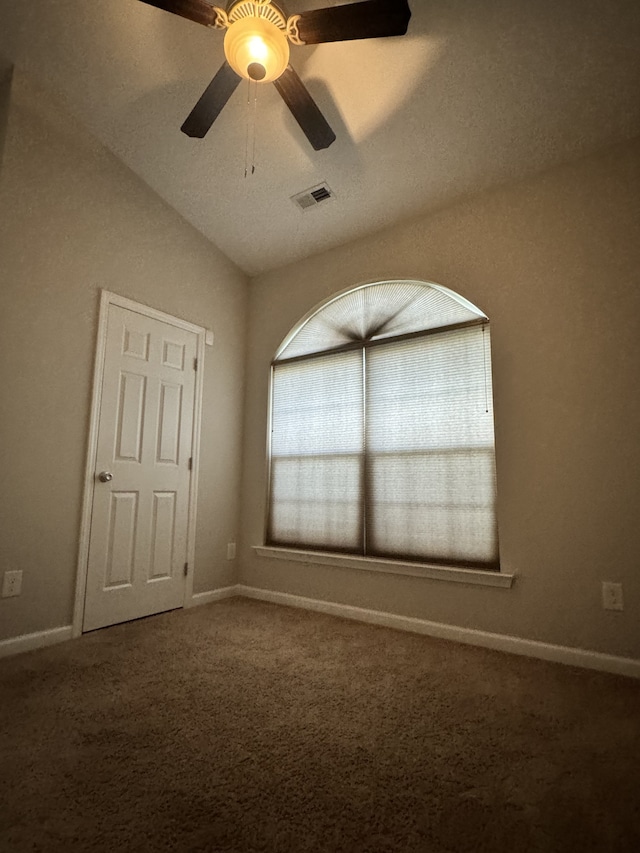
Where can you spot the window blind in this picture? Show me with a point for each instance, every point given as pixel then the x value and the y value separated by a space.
pixel 382 440
pixel 377 311
pixel 317 462
pixel 430 472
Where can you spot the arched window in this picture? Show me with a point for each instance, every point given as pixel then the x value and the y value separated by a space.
pixel 382 441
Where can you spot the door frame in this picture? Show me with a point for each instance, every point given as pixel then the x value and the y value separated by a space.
pixel 107 298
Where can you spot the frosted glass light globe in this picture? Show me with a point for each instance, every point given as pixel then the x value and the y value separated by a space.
pixel 256 49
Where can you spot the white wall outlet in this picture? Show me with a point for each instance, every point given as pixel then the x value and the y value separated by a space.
pixel 208 337
pixel 231 550
pixel 612 596
pixel 11 584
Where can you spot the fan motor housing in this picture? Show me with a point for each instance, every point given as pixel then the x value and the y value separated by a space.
pixel 272 12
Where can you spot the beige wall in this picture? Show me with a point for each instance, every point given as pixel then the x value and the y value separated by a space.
pixel 74 220
pixel 6 73
pixel 555 263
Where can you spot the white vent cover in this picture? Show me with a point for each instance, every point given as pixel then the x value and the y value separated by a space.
pixel 313 196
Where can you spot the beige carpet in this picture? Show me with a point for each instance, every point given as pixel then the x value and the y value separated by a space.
pixel 244 726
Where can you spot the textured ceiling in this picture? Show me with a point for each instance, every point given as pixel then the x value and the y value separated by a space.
pixel 477 93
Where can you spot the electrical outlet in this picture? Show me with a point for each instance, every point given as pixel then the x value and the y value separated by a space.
pixel 231 550
pixel 612 596
pixel 11 584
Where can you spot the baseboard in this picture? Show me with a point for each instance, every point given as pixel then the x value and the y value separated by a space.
pixel 38 640
pixel 500 642
pixel 212 595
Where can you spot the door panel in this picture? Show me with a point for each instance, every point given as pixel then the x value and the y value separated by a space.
pixel 138 541
pixel 123 518
pixel 169 424
pixel 130 417
pixel 162 536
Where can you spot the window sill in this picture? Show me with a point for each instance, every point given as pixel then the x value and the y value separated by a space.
pixel 476 577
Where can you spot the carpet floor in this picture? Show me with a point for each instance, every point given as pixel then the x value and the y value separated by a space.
pixel 243 726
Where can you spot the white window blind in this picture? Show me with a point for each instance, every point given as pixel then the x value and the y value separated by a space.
pixel 429 449
pixel 317 461
pixel 385 446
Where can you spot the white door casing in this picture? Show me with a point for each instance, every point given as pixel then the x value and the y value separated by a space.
pixel 138 527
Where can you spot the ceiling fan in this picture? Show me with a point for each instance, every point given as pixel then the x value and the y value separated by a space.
pixel 256 47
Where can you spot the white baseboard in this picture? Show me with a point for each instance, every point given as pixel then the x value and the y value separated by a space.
pixel 38 640
pixel 500 642
pixel 212 595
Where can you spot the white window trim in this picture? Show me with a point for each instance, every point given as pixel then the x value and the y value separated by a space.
pixel 474 577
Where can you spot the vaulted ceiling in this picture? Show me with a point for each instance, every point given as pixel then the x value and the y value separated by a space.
pixel 478 92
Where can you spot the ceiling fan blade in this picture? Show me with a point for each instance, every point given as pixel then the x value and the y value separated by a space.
pixel 194 10
pixel 211 102
pixel 365 20
pixel 304 109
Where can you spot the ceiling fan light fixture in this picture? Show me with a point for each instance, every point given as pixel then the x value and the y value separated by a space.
pixel 256 49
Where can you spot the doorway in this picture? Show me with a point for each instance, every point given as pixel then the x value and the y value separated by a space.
pixel 137 536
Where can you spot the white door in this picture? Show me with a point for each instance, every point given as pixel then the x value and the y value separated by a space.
pixel 139 519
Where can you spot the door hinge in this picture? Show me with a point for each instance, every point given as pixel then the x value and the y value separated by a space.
pixel 195 363
pixel 186 569
pixel 191 463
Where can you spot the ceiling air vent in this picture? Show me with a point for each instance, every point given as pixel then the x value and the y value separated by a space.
pixel 313 197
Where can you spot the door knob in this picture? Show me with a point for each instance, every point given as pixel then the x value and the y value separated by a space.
pixel 105 476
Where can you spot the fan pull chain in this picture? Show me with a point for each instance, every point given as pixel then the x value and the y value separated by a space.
pixel 246 141
pixel 255 124
pixel 250 141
